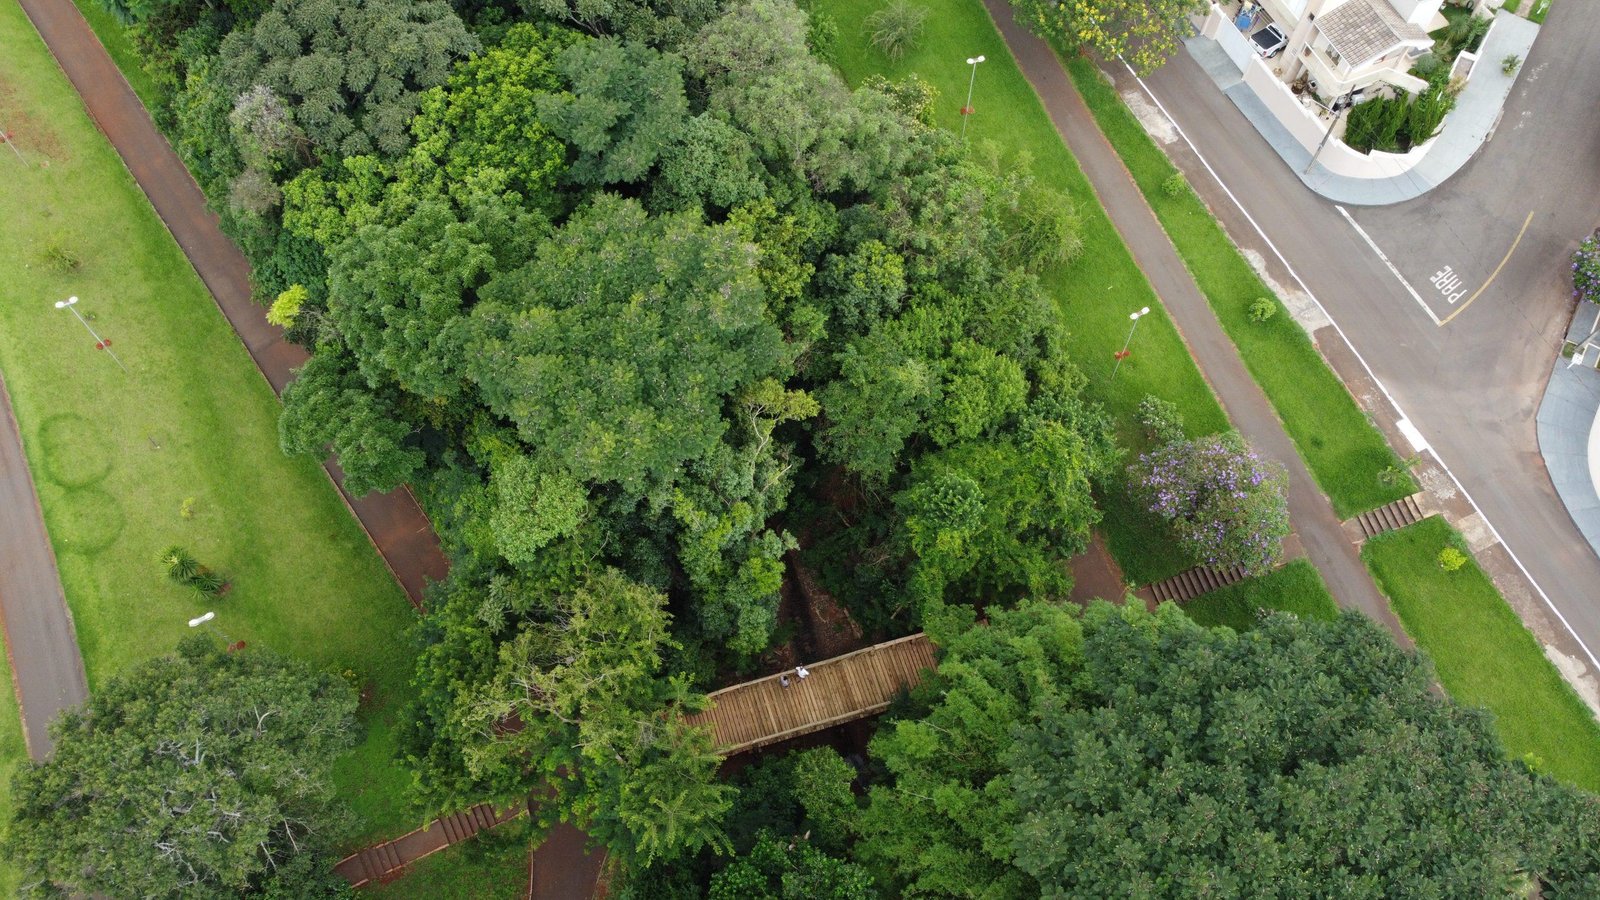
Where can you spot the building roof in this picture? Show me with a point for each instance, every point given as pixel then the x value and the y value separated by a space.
pixel 1363 30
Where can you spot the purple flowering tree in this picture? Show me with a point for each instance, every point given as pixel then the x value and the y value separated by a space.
pixel 1586 269
pixel 1226 504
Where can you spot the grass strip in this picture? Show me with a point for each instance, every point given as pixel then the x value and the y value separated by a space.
pixel 13 755
pixel 115 38
pixel 1483 654
pixel 183 450
pixel 1097 291
pixel 1343 450
pixel 491 866
pixel 1295 587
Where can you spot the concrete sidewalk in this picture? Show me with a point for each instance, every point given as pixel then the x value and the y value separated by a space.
pixel 1468 127
pixel 1567 420
pixel 1312 517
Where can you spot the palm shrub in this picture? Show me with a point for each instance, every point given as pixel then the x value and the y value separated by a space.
pixel 180 565
pixel 896 28
pixel 184 569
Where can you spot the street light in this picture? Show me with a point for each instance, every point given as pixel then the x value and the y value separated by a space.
pixel 967 110
pixel 1123 353
pixel 100 343
pixel 206 619
pixel 1339 103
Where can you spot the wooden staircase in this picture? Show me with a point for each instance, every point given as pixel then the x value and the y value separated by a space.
pixel 1194 582
pixel 1398 514
pixel 373 864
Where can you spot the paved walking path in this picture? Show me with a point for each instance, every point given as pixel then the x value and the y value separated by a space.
pixel 40 642
pixel 1313 519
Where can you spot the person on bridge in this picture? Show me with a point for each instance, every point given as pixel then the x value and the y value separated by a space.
pixel 802 671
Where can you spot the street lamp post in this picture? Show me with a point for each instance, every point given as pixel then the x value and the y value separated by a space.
pixel 206 620
pixel 100 343
pixel 1333 113
pixel 967 110
pixel 1123 353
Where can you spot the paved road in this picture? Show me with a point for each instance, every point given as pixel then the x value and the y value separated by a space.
pixel 1472 386
pixel 40 641
pixel 1325 542
pixel 394 522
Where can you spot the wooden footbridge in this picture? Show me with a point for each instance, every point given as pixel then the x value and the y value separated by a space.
pixel 838 690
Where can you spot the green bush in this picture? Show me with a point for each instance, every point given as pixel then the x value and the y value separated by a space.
pixel 897 28
pixel 1451 559
pixel 1510 64
pixel 1162 422
pixel 1262 309
pixel 1175 185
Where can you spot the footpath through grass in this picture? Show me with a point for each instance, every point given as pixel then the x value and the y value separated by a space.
pixel 1483 654
pixel 1296 588
pixel 1097 291
pixel 491 866
pixel 1344 451
pixel 117 458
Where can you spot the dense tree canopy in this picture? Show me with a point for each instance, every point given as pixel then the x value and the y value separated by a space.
pixel 350 70
pixel 201 773
pixel 1123 752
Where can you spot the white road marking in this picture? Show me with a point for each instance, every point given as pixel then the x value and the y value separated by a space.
pixel 1396 272
pixel 1370 374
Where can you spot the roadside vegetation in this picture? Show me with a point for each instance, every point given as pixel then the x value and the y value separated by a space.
pixel 1482 652
pixel 181 451
pixel 1347 455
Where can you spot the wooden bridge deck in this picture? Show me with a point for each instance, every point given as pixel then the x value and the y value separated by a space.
pixel 852 686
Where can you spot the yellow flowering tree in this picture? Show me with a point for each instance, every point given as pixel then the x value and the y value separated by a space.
pixel 1143 32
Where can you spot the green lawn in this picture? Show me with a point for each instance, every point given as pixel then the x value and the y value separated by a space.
pixel 13 753
pixel 1098 291
pixel 1295 588
pixel 116 456
pixel 1343 450
pixel 1483 654
pixel 492 866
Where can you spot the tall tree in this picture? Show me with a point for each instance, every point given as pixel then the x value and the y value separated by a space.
pixel 623 107
pixel 351 70
pixel 615 351
pixel 579 700
pixel 201 773
pixel 1225 503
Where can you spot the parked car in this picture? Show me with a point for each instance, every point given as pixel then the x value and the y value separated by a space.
pixel 1269 41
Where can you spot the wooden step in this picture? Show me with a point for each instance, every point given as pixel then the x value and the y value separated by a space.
pixel 1390 517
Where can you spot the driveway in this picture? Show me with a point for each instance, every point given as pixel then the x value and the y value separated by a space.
pixel 1471 385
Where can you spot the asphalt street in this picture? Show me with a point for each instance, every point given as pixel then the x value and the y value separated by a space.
pixel 1471 385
